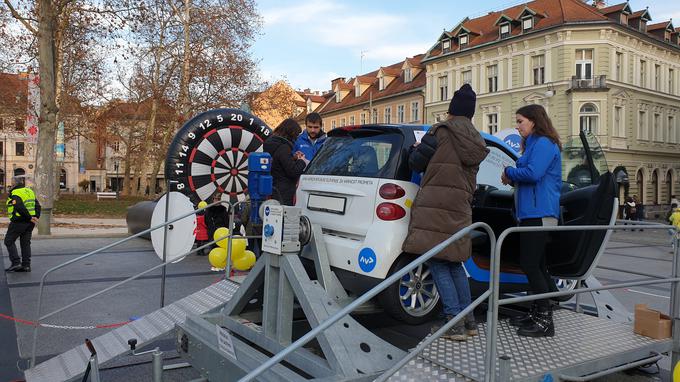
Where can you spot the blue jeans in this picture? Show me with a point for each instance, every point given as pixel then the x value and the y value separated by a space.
pixel 452 285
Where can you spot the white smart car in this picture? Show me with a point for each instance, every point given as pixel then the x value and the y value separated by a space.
pixel 359 189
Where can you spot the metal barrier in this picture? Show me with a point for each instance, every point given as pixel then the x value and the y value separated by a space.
pixel 229 237
pixel 372 293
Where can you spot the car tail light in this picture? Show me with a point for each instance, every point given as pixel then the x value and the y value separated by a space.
pixel 391 191
pixel 390 211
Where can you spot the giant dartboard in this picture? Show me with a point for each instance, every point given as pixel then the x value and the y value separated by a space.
pixel 210 154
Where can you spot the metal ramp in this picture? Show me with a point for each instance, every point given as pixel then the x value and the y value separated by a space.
pixel 582 345
pixel 71 364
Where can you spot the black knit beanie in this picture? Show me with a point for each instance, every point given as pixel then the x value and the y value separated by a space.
pixel 463 102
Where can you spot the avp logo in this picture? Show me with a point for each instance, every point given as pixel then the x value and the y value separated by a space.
pixel 266 211
pixel 513 140
pixel 367 260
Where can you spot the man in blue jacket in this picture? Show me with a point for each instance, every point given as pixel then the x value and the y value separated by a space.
pixel 311 140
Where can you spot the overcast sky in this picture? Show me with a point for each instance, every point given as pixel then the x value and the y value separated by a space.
pixel 310 42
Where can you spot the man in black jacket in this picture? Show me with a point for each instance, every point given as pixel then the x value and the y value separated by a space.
pixel 24 211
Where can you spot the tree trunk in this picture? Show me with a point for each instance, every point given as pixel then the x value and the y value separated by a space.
pixel 44 169
pixel 147 149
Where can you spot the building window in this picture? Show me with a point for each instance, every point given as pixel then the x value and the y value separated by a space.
pixel 643 73
pixel 443 88
pixel 467 77
pixel 401 114
pixel 351 120
pixel 333 124
pixel 415 112
pixel 463 41
pixel 116 146
pixel 671 81
pixel 374 116
pixel 619 125
pixel 342 122
pixel 357 90
pixel 387 118
pixel 408 75
pixel 505 30
pixel 671 129
pixel 584 64
pixel 538 65
pixel 19 124
pixel 588 118
pixel 492 78
pixel 19 149
pixel 492 123
pixel 658 130
pixel 527 24
pixel 657 77
pixel 381 83
pixel 642 125
pixel 363 118
pixel 446 46
pixel 619 66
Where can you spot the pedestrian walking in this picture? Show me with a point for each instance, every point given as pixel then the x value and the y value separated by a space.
pixel 537 180
pixel 630 210
pixel 23 209
pixel 449 154
pixel 311 140
pixel 286 167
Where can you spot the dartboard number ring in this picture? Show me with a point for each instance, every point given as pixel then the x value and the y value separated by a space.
pixel 209 154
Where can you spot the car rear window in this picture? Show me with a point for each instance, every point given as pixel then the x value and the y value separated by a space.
pixel 363 153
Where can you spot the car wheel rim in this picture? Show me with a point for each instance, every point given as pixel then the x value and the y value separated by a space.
pixel 417 292
pixel 565 284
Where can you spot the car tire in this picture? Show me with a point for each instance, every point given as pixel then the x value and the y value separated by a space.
pixel 411 300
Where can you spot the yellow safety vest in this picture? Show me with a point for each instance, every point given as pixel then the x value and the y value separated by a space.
pixel 27 196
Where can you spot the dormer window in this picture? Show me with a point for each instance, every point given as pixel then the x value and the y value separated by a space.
pixel 527 24
pixel 463 41
pixel 337 97
pixel 446 46
pixel 357 90
pixel 381 83
pixel 643 26
pixel 408 75
pixel 505 30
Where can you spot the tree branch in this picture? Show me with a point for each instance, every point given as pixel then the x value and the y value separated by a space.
pixel 20 18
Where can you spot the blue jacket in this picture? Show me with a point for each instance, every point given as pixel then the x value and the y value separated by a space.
pixel 537 179
pixel 304 144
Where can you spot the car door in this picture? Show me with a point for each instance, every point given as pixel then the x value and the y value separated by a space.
pixel 588 198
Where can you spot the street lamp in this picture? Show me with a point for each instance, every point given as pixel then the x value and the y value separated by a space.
pixel 115 166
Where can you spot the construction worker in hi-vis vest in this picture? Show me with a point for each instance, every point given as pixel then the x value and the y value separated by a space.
pixel 23 210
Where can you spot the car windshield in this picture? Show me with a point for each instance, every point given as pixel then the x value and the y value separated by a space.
pixel 362 153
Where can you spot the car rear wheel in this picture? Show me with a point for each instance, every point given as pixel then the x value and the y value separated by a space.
pixel 414 299
pixel 562 286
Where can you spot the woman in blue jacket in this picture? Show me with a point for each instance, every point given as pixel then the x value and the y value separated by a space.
pixel 537 180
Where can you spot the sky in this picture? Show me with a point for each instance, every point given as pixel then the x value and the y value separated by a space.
pixel 310 42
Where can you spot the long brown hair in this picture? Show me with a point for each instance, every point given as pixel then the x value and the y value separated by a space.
pixel 543 126
pixel 288 129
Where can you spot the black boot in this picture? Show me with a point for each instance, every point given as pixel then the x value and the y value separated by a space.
pixel 13 268
pixel 542 325
pixel 525 319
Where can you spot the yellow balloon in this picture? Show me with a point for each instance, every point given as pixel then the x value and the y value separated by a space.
pixel 221 232
pixel 238 246
pixel 676 372
pixel 245 262
pixel 218 257
pixel 202 204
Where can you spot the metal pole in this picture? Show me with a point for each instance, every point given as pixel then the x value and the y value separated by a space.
pixel 165 241
pixel 94 369
pixel 577 300
pixel 116 164
pixel 492 312
pixel 227 268
pixel 675 304
pixel 157 357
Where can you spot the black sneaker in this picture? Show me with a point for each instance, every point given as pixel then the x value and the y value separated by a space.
pixel 14 268
pixel 24 268
pixel 542 326
pixel 471 325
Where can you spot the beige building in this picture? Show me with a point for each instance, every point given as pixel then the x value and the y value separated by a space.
pixel 596 68
pixel 391 94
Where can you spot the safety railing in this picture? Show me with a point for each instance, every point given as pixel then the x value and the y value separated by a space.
pixel 494 301
pixel 373 292
pixel 164 225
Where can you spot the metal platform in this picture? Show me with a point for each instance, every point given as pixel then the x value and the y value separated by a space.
pixel 582 345
pixel 71 364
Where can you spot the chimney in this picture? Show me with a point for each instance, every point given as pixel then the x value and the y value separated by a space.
pixel 599 4
pixel 337 80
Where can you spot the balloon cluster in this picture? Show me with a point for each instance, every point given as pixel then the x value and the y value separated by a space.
pixel 241 258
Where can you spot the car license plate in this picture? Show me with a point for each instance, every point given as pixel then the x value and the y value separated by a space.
pixel 332 204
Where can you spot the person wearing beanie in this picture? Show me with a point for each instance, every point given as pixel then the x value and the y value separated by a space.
pixel 449 155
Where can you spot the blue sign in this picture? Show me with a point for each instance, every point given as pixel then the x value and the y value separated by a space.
pixel 511 137
pixel 367 260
